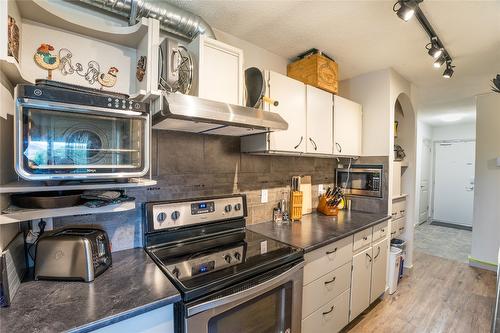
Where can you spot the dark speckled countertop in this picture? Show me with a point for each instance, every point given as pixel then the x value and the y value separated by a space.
pixel 133 285
pixel 316 230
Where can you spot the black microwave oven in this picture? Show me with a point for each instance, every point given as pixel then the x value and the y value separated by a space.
pixel 361 180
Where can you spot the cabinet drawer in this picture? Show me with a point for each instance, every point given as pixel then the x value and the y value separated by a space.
pixel 326 259
pixel 401 225
pixel 394 228
pixel 399 207
pixel 330 318
pixel 394 212
pixel 325 289
pixel 380 231
pixel 362 239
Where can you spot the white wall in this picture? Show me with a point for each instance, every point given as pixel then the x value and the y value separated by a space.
pixel 486 232
pixel 465 131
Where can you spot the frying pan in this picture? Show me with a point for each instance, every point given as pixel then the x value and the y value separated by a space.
pixel 256 88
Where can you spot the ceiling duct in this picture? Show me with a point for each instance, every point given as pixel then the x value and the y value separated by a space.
pixel 173 20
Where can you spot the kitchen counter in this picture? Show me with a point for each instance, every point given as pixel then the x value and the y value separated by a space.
pixel 133 285
pixel 316 230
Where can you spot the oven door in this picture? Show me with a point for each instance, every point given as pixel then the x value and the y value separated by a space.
pixel 361 182
pixel 270 306
pixel 67 141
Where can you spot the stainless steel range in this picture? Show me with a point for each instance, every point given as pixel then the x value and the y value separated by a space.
pixel 231 279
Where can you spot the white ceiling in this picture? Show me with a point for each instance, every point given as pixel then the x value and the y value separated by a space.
pixel 365 36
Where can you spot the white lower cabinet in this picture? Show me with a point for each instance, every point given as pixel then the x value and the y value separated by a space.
pixel 361 279
pixel 379 269
pixel 329 318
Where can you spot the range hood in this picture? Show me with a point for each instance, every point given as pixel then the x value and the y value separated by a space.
pixel 178 112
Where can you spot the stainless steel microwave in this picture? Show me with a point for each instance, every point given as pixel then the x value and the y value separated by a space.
pixel 361 180
pixel 65 132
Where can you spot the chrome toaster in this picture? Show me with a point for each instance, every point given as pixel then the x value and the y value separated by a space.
pixel 78 254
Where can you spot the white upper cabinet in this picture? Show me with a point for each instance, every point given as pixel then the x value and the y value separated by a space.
pixel 218 71
pixel 319 121
pixel 347 127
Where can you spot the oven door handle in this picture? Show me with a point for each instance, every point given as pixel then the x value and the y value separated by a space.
pixel 247 293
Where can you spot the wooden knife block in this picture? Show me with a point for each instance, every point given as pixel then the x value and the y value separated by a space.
pixel 296 205
pixel 323 208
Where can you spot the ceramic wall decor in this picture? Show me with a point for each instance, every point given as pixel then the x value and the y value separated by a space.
pixel 46 59
pixel 108 79
pixel 496 84
pixel 13 39
pixel 141 68
pixel 66 67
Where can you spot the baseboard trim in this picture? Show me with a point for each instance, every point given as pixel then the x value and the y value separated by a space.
pixel 491 266
pixel 450 225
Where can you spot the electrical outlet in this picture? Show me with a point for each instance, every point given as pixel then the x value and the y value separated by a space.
pixel 321 189
pixel 49 225
pixel 264 196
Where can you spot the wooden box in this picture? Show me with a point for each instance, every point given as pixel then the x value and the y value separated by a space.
pixel 316 70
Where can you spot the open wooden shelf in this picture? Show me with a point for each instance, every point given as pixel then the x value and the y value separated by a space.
pixel 15 214
pixel 11 69
pixel 31 186
pixel 47 13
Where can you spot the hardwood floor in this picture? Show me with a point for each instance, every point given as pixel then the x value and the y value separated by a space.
pixel 439 295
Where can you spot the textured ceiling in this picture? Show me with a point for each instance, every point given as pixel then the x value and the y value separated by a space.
pixel 365 36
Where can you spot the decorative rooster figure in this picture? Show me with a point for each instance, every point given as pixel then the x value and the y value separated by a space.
pixel 496 84
pixel 45 59
pixel 108 79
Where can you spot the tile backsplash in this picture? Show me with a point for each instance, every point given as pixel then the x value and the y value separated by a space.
pixel 192 165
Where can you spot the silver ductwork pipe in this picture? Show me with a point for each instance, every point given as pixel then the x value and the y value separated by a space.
pixel 173 20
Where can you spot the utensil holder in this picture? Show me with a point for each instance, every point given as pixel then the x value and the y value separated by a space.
pixel 296 205
pixel 323 207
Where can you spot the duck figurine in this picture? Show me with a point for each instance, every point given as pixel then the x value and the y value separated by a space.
pixel 108 79
pixel 45 59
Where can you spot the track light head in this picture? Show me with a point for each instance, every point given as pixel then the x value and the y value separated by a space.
pixel 439 62
pixel 433 47
pixel 448 72
pixel 406 9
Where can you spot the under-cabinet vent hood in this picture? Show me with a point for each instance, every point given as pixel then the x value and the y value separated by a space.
pixel 187 113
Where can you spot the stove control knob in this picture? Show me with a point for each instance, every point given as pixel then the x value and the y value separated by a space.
pixel 161 217
pixel 237 206
pixel 228 208
pixel 175 215
pixel 227 258
pixel 237 256
pixel 176 272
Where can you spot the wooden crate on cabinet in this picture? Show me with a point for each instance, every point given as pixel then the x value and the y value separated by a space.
pixel 316 70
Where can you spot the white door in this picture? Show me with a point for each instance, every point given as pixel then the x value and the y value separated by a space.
pixel 379 269
pixel 425 174
pixel 319 121
pixel 347 127
pixel 291 97
pixel 454 182
pixel 360 285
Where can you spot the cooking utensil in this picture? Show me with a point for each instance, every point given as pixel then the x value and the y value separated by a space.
pixel 51 199
pixel 256 88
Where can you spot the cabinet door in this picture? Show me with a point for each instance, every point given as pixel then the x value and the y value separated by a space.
pixel 347 127
pixel 360 285
pixel 291 97
pixel 319 113
pixel 379 269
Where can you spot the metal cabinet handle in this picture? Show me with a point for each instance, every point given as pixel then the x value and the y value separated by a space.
pixel 330 252
pixel 402 211
pixel 313 143
pixel 402 228
pixel 298 144
pixel 383 230
pixel 339 147
pixel 393 233
pixel 378 253
pixel 331 281
pixel 369 256
pixel 365 238
pixel 394 214
pixel 329 311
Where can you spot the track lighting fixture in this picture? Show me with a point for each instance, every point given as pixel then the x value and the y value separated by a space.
pixel 439 62
pixel 406 9
pixel 448 72
pixel 434 50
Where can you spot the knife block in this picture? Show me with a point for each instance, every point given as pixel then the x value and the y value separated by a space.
pixel 323 208
pixel 296 205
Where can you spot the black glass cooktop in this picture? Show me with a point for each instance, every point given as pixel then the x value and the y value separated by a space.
pixel 212 263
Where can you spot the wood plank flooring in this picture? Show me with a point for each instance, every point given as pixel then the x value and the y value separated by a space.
pixel 438 295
